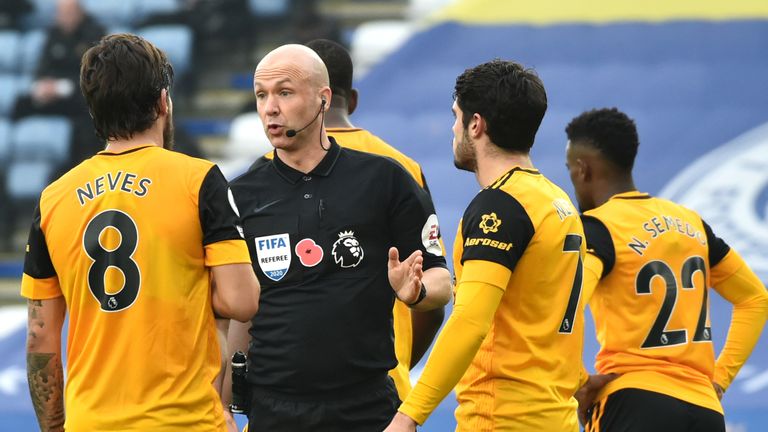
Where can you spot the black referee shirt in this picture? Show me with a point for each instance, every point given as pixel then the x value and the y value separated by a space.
pixel 319 245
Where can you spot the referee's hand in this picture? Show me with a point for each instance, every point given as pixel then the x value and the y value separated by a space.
pixel 405 276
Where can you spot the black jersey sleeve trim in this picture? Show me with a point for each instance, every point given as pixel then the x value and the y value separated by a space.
pixel 218 216
pixel 718 248
pixel 37 261
pixel 599 242
pixel 496 228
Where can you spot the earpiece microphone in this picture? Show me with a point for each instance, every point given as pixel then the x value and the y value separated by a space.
pixel 290 133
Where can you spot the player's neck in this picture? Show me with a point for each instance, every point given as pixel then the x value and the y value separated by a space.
pixel 151 136
pixel 611 187
pixel 337 117
pixel 148 137
pixel 491 167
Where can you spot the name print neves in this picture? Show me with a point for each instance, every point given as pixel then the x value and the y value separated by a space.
pixel 119 181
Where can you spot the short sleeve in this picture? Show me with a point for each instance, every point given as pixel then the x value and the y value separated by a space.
pixel 718 248
pixel 496 228
pixel 599 242
pixel 218 213
pixel 40 280
pixel 413 220
pixel 219 219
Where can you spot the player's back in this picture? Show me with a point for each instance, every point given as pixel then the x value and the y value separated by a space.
pixel 124 235
pixel 527 369
pixel 650 307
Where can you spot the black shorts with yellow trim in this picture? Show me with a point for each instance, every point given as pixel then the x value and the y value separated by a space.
pixel 635 410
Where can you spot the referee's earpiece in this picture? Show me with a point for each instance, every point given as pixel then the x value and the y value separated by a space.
pixel 322 103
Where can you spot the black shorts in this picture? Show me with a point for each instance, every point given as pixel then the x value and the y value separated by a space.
pixel 635 410
pixel 366 408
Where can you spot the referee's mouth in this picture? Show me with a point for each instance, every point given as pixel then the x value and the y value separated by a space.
pixel 275 129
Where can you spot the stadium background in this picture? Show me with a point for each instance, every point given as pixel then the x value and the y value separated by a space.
pixel 692 74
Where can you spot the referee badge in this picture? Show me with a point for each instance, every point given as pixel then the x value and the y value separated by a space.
pixel 274 255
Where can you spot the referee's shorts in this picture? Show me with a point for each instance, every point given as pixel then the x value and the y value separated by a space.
pixel 635 410
pixel 367 407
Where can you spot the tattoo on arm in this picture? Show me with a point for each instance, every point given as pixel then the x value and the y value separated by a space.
pixel 45 376
pixel 46 387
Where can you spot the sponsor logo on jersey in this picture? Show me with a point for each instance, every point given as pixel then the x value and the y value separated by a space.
pixel 490 223
pixel 310 253
pixel 481 241
pixel 347 251
pixel 728 187
pixel 274 255
pixel 430 236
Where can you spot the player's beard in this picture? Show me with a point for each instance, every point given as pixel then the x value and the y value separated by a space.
pixel 465 154
pixel 168 133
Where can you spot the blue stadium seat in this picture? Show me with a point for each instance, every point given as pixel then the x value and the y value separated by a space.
pixel 9 90
pixel 269 8
pixel 174 40
pixel 45 138
pixel 147 8
pixel 9 50
pixel 26 179
pixel 5 142
pixel 43 15
pixel 111 12
pixel 31 48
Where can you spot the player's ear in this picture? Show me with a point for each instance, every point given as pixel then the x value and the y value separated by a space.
pixel 584 169
pixel 164 102
pixel 352 101
pixel 477 126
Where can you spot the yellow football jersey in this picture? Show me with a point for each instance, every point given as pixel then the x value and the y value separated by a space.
pixel 362 140
pixel 650 306
pixel 127 239
pixel 527 369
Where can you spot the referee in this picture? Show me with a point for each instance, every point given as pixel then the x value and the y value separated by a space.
pixel 321 222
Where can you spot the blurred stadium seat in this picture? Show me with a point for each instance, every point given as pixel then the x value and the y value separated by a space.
pixel 9 90
pixel 10 42
pixel 26 179
pixel 175 41
pixel 111 12
pixel 147 8
pixel 5 142
pixel 44 11
pixel 31 48
pixel 44 138
pixel 372 41
pixel 269 8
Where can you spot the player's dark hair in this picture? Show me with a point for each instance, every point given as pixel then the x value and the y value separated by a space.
pixel 338 62
pixel 510 98
pixel 608 130
pixel 121 78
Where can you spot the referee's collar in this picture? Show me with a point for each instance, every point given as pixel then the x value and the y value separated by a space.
pixel 323 169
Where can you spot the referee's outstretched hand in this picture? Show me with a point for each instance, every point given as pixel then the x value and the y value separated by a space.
pixel 405 276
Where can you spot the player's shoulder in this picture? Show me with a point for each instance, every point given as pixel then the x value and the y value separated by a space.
pixel 496 204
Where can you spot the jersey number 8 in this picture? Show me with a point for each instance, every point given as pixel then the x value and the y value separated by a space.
pixel 120 257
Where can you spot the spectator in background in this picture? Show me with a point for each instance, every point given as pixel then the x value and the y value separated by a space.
pixel 12 11
pixel 54 90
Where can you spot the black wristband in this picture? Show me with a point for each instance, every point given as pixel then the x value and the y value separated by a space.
pixel 422 295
